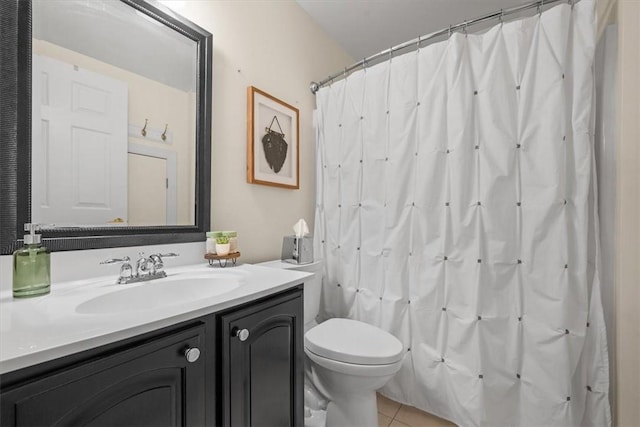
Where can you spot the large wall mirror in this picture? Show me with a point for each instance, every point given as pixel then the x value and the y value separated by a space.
pixel 105 132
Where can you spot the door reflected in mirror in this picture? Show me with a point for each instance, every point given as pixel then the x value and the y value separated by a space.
pixel 113 117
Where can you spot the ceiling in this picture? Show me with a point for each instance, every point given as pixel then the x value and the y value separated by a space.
pixel 366 27
pixel 116 34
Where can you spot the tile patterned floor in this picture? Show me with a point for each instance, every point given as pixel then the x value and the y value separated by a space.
pixel 394 414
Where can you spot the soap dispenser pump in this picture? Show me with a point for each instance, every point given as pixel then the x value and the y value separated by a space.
pixel 31 266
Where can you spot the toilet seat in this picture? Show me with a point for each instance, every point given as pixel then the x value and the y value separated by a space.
pixel 353 342
pixel 353 369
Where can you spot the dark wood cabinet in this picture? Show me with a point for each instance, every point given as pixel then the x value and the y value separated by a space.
pixel 152 380
pixel 262 363
pixel 151 384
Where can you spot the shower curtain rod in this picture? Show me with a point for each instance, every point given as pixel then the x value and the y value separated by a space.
pixel 315 86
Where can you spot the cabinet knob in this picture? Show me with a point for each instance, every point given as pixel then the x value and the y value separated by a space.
pixel 242 334
pixel 192 354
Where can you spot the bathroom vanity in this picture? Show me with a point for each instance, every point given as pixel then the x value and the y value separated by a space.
pixel 229 359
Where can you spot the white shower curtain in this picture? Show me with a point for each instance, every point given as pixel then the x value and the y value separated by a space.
pixel 453 210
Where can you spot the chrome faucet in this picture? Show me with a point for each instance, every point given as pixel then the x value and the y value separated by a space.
pixel 157 264
pixel 126 271
pixel 147 268
pixel 143 265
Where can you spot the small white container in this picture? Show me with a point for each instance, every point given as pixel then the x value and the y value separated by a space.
pixel 222 248
pixel 211 241
pixel 233 240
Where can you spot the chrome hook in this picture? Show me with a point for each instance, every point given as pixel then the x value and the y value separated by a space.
pixel 144 129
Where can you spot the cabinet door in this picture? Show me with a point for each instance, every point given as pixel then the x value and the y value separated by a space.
pixel 262 372
pixel 152 384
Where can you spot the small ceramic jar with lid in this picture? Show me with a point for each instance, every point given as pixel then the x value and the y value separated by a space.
pixel 233 240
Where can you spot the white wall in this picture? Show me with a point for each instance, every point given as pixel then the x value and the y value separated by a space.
pixel 627 265
pixel 274 46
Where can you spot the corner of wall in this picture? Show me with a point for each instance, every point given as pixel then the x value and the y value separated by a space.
pixel 627 269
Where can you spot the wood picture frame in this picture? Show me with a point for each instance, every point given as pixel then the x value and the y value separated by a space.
pixel 273 141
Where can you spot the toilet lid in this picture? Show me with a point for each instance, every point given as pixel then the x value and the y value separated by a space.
pixel 351 341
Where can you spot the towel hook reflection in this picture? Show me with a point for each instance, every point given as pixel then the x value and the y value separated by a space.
pixel 164 134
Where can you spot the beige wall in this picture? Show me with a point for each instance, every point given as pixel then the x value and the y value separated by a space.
pixel 274 46
pixel 627 271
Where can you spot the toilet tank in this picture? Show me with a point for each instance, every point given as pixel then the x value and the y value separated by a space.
pixel 312 286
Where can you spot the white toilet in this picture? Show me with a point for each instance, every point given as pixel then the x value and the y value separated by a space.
pixel 347 360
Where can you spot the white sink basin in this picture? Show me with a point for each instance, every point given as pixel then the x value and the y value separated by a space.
pixel 157 293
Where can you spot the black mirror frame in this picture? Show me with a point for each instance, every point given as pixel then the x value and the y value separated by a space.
pixel 15 140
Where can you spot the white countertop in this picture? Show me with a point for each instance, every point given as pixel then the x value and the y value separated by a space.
pixel 35 330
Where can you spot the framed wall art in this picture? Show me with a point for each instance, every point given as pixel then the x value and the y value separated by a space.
pixel 273 132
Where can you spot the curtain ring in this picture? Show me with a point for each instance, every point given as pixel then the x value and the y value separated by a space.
pixel 345 73
pixel 390 53
pixel 464 28
pixel 501 18
pixel 364 64
pixel 449 31
pixel 418 44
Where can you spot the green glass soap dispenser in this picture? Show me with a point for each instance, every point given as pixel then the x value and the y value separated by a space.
pixel 31 266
